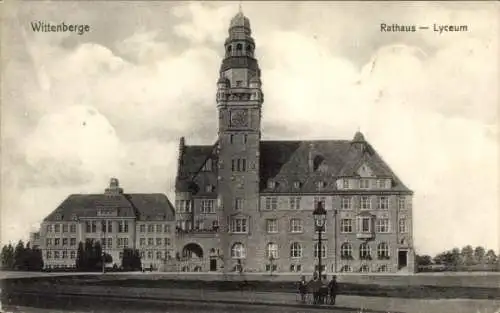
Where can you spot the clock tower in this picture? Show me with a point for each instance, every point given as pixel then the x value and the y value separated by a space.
pixel 239 103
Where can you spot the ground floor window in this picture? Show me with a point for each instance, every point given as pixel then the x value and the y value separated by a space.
pixel 271 267
pixel 346 268
pixel 364 269
pixel 383 268
pixel 295 268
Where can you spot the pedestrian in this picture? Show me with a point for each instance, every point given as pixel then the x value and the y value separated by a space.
pixel 302 289
pixel 332 286
pixel 323 292
pixel 315 284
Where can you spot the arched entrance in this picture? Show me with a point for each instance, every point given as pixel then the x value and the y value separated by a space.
pixel 192 250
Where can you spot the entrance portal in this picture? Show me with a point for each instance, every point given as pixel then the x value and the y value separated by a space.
pixel 402 259
pixel 192 250
pixel 213 265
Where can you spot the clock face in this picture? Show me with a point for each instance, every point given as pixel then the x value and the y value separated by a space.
pixel 239 118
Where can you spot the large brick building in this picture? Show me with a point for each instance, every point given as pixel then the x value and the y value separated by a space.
pixel 242 200
pixel 116 219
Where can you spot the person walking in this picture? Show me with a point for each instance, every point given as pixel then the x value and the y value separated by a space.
pixel 315 285
pixel 323 290
pixel 332 288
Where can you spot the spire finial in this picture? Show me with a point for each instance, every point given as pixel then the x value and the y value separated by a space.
pixel 240 8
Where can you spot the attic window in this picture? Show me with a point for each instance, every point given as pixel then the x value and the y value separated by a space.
pixel 207 167
pixel 58 217
pixel 74 217
pixel 297 184
pixel 209 188
pixel 271 184
pixel 320 184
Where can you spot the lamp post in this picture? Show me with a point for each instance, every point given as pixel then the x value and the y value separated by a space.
pixel 319 215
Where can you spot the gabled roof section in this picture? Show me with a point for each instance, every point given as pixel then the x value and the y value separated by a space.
pixel 190 177
pixel 143 206
pixel 286 162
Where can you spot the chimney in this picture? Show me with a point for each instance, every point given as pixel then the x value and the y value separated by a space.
pixel 311 157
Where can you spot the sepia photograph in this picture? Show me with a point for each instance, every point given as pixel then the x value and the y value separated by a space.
pixel 223 156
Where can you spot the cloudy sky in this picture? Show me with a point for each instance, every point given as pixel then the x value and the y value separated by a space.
pixel 77 110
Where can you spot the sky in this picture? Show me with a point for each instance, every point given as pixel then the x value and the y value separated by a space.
pixel 79 109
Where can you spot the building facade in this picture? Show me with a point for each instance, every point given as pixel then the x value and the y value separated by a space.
pixel 246 204
pixel 117 220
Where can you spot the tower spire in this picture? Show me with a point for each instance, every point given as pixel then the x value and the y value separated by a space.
pixel 240 8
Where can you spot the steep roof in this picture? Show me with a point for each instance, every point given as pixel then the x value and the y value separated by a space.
pixel 143 206
pixel 287 162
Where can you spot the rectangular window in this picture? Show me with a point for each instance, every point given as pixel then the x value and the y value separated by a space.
pixel 365 203
pixel 166 228
pixel 207 206
pixel 167 242
pixel 364 183
pixel 158 241
pixel 49 254
pixel 103 226
pixel 57 242
pixel 158 228
pixel 346 225
pixel 238 165
pixel 272 225
pixel 65 254
pixel 245 138
pixel 150 254
pixel 110 242
pixel 364 225
pixel 73 255
pixel 381 183
pixel 321 200
pixel 403 227
pixel 56 254
pixel 49 228
pixel 72 242
pixel 231 139
pixel 271 203
pixel 142 242
pixel 239 225
pixel 382 225
pixel 142 228
pixel 238 204
pixel 345 183
pixel 65 241
pixel 123 227
pixel 65 228
pixel 158 255
pixel 401 203
pixel 383 203
pixel 72 228
pixel 48 241
pixel 345 203
pixel 295 203
pixel 183 206
pixel 296 225
pixel 151 228
pixel 150 241
pixel 57 228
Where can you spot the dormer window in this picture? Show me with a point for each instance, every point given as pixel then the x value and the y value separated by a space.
pixel 209 188
pixel 297 185
pixel 345 183
pixel 239 83
pixel 271 184
pixel 207 167
pixel 320 184
pixel 58 217
pixel 364 183
pixel 74 217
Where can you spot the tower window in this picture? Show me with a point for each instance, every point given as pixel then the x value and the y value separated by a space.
pixel 239 47
pixel 231 139
pixel 239 83
pixel 229 48
pixel 245 138
pixel 238 165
